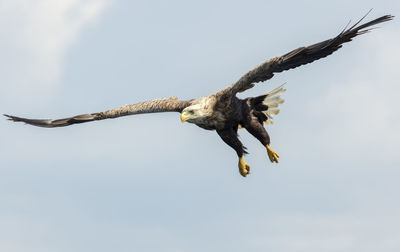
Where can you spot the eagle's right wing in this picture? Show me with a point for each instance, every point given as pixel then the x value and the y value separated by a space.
pixel 171 104
pixel 301 56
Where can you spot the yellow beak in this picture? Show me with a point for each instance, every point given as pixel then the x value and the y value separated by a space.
pixel 183 118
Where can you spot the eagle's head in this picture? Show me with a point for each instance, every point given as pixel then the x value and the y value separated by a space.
pixel 199 111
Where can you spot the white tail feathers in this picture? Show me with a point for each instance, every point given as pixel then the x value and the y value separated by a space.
pixel 277 91
pixel 273 100
pixel 272 112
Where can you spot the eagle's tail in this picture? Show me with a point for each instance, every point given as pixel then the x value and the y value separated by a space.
pixel 266 106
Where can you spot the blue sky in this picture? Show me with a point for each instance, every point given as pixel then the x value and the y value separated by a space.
pixel 150 183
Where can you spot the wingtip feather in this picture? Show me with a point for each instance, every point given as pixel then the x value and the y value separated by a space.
pixel 12 118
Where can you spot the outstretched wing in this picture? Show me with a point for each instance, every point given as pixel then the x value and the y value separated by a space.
pixel 301 56
pixel 160 105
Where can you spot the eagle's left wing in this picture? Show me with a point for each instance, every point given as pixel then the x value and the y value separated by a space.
pixel 171 104
pixel 301 56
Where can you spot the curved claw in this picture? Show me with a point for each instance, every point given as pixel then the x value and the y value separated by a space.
pixel 244 168
pixel 273 156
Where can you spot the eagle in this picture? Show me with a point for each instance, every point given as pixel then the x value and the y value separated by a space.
pixel 223 111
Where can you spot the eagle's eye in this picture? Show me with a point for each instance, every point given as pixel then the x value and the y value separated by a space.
pixel 191 112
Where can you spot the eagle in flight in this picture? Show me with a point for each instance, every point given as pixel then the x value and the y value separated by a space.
pixel 224 111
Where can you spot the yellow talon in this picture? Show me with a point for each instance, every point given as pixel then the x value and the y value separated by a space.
pixel 273 156
pixel 244 168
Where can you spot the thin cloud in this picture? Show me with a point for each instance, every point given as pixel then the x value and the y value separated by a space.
pixel 363 108
pixel 37 37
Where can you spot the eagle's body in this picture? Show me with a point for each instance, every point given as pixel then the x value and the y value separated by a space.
pixel 218 112
pixel 224 111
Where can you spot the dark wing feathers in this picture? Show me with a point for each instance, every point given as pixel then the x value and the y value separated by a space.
pixel 302 56
pixel 53 123
pixel 160 105
pixel 263 72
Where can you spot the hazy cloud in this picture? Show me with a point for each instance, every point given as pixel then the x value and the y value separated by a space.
pixel 150 183
pixel 364 108
pixel 38 33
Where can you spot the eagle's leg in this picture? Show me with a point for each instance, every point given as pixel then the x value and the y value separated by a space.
pixel 230 137
pixel 258 131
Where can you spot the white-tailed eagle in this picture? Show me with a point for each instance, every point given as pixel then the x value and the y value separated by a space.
pixel 224 111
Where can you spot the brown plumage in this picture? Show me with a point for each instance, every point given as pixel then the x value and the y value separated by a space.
pixel 171 104
pixel 223 111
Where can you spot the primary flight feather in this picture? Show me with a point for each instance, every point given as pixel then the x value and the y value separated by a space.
pixel 224 111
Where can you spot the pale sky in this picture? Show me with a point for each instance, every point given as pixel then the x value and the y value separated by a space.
pixel 151 183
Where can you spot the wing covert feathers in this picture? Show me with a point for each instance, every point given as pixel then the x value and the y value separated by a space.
pixel 153 106
pixel 302 56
